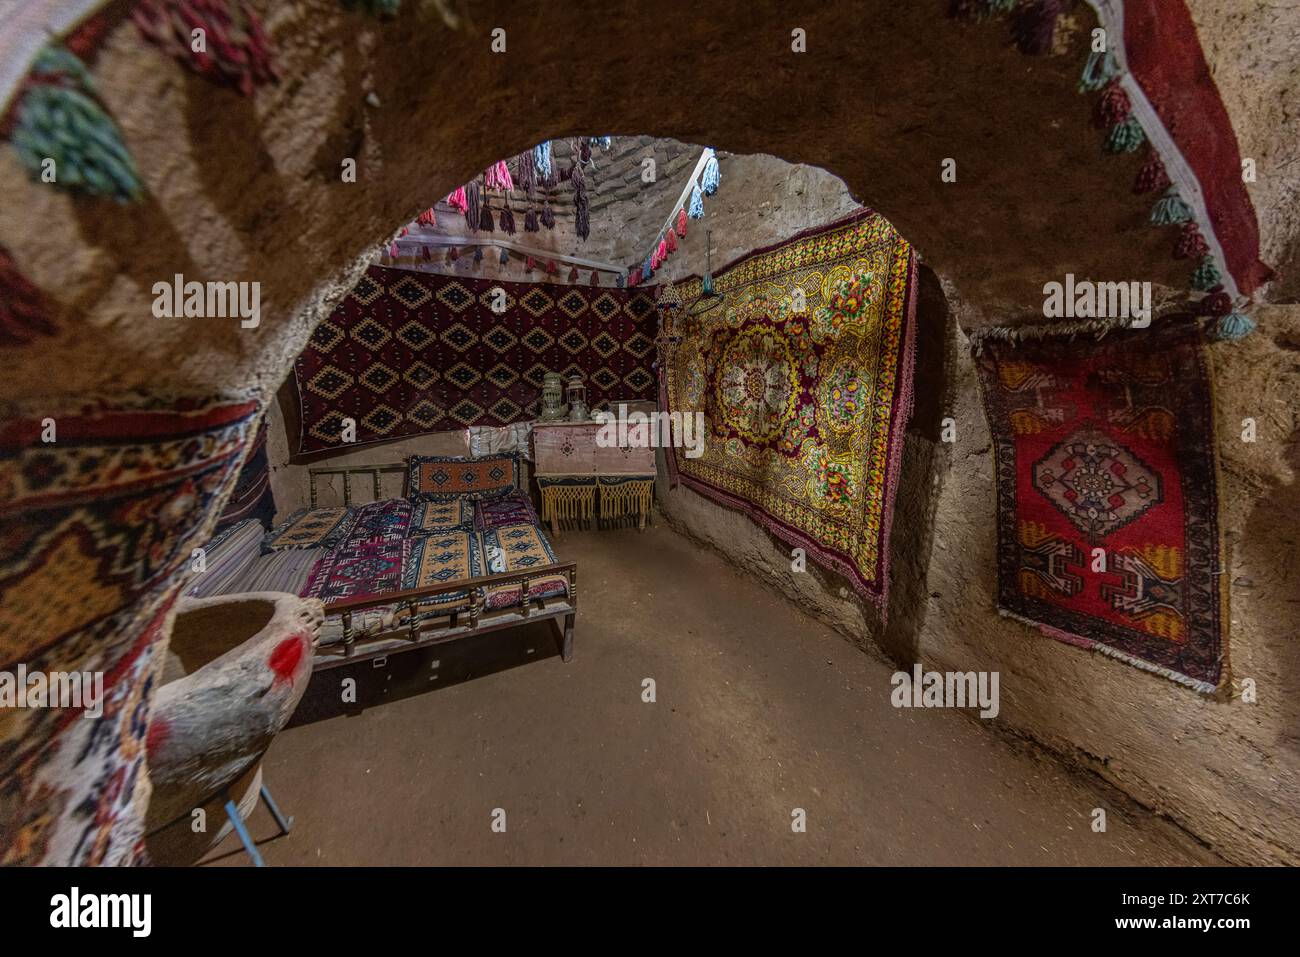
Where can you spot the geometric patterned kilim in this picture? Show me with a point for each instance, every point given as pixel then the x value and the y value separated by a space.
pixel 409 352
pixel 1107 510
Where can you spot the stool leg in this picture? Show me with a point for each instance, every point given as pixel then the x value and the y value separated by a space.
pixel 232 812
pixel 285 823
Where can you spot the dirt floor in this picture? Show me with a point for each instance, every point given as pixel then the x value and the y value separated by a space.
pixel 759 710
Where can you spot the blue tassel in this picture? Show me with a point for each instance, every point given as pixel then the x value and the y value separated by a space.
pixel 708 284
pixel 603 142
pixel 505 257
pixel 1100 69
pixel 646 271
pixel 1125 137
pixel 696 210
pixel 619 280
pixel 1170 209
pixel 709 178
pixel 1235 325
pixel 542 159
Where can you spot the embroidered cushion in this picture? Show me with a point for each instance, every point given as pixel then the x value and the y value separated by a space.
pixel 310 528
pixel 439 478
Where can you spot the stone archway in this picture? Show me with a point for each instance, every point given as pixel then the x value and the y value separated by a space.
pixel 249 189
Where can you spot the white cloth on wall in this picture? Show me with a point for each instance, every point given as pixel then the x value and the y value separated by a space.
pixel 490 439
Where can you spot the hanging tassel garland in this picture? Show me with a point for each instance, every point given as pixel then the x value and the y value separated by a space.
pixel 1206 275
pixel 59 119
pixel 681 222
pixel 697 204
pixel 671 239
pixel 1170 209
pixel 527 172
pixel 24 314
pixel 1125 137
pixel 1151 178
pixel 1100 69
pixel 581 205
pixel 530 221
pixel 1191 244
pixel 427 218
pixel 662 251
pixel 497 176
pixel 236 50
pixel 542 159
pixel 507 220
pixel 457 201
pixel 473 205
pixel 709 178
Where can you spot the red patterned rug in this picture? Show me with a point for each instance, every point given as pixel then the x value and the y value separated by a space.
pixel 1108 532
pixel 409 352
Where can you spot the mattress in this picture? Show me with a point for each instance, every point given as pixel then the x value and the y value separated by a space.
pixel 227 557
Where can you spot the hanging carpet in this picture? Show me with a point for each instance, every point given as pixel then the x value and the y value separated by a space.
pixel 409 352
pixel 803 373
pixel 1106 494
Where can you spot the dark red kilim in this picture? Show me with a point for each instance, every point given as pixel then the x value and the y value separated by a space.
pixel 1107 509
pixel 409 352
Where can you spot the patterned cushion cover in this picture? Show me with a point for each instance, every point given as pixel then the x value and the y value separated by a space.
pixel 388 518
pixel 442 559
pixel 512 508
pixel 454 515
pixel 439 478
pixel 310 528
pixel 514 548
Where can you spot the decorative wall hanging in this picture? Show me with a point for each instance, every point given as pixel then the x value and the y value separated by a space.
pixel 99 529
pixel 1156 88
pixel 805 408
pixel 1105 460
pixel 236 50
pixel 410 352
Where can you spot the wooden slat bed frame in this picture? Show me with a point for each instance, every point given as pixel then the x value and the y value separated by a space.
pixel 426 624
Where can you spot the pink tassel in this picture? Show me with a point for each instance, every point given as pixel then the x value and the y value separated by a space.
pixel 1113 108
pixel 457 201
pixel 1191 244
pixel 595 278
pixel 552 268
pixel 681 222
pixel 671 240
pixel 1152 178
pixel 573 274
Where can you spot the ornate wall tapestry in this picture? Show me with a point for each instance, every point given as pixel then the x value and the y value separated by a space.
pixel 803 370
pixel 1106 490
pixel 409 352
pixel 97 527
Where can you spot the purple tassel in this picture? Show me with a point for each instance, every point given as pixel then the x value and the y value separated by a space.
pixel 527 172
pixel 581 210
pixel 1034 25
pixel 485 219
pixel 548 217
pixel 507 221
pixel 473 207
pixel 530 221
